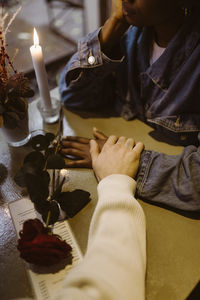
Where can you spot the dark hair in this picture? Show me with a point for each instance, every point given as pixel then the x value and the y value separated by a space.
pixel 191 3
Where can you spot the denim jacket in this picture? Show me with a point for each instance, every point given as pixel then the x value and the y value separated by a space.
pixel 165 95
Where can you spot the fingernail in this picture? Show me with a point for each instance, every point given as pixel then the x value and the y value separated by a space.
pixel 95 129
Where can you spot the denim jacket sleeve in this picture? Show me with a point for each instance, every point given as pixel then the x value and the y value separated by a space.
pixel 171 180
pixel 93 87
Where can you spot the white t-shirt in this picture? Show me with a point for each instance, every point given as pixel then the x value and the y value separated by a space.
pixel 156 52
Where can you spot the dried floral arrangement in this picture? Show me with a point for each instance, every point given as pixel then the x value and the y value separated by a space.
pixel 14 86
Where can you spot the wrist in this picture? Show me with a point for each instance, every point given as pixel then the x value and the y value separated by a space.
pixel 115 25
pixel 114 184
pixel 111 33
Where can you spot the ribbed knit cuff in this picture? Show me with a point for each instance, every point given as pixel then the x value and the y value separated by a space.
pixel 111 188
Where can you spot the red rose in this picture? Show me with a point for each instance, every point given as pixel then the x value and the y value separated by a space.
pixel 37 246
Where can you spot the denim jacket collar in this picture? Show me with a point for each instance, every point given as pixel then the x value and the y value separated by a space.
pixel 164 70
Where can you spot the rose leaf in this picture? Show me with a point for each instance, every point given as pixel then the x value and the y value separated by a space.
pixel 36 158
pixel 54 213
pixel 20 178
pixel 73 202
pixel 39 142
pixel 55 161
pixel 50 136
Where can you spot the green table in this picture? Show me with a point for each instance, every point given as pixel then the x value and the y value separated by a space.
pixel 173 244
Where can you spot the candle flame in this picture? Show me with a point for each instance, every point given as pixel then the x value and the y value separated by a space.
pixel 35 38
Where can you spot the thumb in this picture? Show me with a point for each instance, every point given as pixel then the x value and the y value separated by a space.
pixel 94 150
pixel 99 135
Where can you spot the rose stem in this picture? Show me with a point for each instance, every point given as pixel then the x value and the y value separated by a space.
pixel 48 218
pixel 53 182
pixel 60 129
pixel 58 178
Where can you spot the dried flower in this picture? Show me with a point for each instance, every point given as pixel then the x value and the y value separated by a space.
pixel 14 87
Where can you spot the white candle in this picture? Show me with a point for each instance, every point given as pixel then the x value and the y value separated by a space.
pixel 40 72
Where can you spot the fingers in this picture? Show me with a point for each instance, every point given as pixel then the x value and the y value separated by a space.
pixel 99 135
pixel 94 149
pixel 75 145
pixel 111 140
pixel 78 164
pixel 130 143
pixel 121 140
pixel 75 139
pixel 69 144
pixel 139 148
pixel 71 151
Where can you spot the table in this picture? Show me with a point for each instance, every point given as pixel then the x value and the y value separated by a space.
pixel 173 244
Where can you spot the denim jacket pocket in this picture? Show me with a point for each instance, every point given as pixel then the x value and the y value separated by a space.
pixel 182 128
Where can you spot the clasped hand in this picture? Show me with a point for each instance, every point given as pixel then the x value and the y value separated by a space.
pixel 115 156
pixel 79 148
pixel 118 156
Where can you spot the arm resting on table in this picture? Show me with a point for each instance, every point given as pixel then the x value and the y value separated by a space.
pixel 115 262
pixel 171 180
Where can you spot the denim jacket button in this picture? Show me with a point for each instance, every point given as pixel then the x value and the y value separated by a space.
pixel 91 59
pixel 177 123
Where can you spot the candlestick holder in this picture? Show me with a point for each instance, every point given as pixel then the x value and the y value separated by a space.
pixel 19 135
pixel 51 115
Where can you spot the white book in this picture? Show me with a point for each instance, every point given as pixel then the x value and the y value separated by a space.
pixel 45 286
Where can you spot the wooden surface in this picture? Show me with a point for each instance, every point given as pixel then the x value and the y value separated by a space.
pixel 173 244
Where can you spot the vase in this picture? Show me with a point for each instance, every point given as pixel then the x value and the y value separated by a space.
pixel 19 135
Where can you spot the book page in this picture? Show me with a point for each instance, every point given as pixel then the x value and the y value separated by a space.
pixel 45 286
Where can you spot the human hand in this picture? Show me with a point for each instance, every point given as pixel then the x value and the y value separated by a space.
pixel 112 31
pixel 116 9
pixel 118 156
pixel 79 149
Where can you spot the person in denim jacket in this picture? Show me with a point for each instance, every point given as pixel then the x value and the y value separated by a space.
pixel 149 70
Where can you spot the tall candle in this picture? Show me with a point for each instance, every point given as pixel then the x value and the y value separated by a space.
pixel 40 72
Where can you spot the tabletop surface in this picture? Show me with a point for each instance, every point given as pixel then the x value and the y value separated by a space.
pixel 173 244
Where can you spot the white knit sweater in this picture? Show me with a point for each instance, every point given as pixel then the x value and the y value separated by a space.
pixel 115 262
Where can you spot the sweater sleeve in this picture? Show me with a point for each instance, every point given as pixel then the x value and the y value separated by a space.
pixel 115 262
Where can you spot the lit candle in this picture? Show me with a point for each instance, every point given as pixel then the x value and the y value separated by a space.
pixel 40 71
